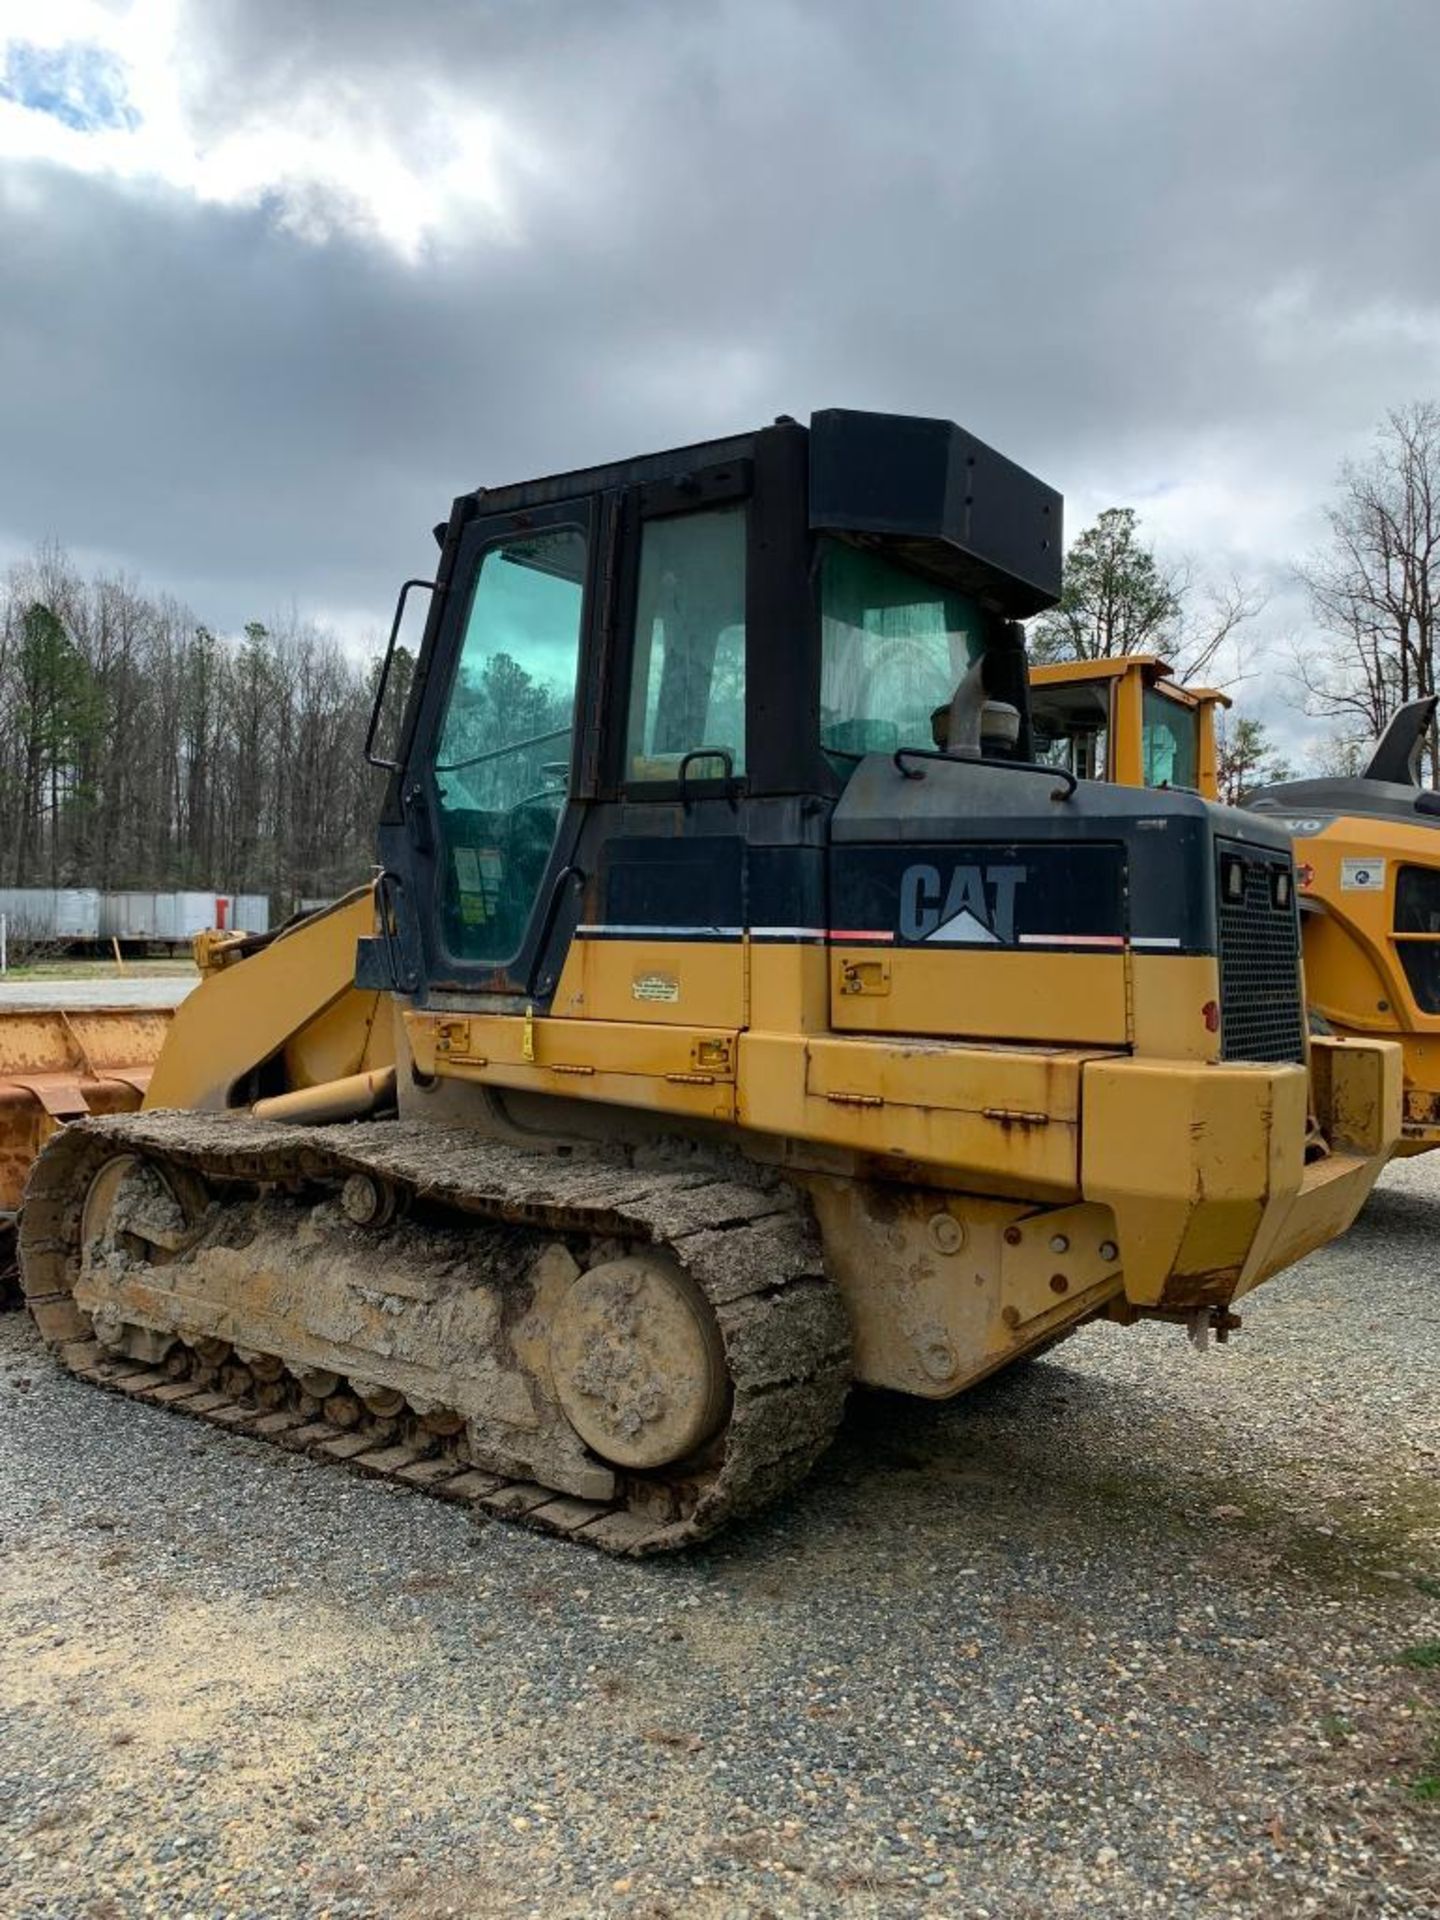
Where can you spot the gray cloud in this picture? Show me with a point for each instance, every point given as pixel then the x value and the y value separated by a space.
pixel 1131 245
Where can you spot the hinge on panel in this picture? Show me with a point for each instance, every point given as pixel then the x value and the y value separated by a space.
pixel 691 1079
pixel 557 1066
pixel 1129 978
pixel 856 1099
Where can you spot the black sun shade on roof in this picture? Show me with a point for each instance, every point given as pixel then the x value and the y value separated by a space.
pixel 958 507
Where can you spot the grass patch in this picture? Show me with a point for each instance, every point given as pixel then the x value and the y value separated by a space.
pixel 1427 1785
pixel 1365 1548
pixel 1426 1656
pixel 101 967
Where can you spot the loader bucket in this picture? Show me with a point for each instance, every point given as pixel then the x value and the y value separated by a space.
pixel 58 1064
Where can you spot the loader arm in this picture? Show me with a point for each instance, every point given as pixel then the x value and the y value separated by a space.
pixel 273 1023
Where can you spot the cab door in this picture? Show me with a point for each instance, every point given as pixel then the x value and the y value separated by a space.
pixel 665 938
pixel 490 794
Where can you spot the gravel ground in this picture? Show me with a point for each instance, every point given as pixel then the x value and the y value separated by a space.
pixel 164 990
pixel 1125 1634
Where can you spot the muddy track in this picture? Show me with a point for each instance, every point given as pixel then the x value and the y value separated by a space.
pixel 751 1248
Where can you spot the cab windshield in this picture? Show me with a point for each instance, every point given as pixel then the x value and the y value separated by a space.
pixel 894 647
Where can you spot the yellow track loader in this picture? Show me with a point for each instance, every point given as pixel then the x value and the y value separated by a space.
pixel 1368 848
pixel 710 1040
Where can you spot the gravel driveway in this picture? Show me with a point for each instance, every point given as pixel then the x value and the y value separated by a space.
pixel 1138 1631
pixel 99 990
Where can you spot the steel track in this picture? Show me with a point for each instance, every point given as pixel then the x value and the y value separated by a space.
pixel 752 1248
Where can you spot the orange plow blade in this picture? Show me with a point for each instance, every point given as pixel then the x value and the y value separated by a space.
pixel 58 1064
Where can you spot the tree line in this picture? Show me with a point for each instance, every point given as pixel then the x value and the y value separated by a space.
pixel 140 748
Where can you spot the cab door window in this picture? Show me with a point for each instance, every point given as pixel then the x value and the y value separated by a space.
pixel 502 762
pixel 1171 743
pixel 687 692
pixel 1071 727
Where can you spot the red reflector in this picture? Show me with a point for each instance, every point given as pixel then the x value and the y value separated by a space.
pixel 1210 1014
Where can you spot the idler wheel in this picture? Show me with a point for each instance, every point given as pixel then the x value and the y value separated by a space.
pixel 98 1211
pixel 638 1363
pixel 130 1201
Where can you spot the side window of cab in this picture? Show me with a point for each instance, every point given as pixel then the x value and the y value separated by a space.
pixel 687 689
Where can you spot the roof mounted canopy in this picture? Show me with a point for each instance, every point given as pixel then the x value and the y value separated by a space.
pixel 949 503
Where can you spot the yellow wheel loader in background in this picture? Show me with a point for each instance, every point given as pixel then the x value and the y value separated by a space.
pixel 711 1041
pixel 1367 848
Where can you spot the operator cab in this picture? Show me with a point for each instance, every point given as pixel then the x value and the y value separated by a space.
pixel 734 625
pixel 1122 719
pixel 770 693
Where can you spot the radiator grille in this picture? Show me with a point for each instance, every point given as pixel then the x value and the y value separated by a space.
pixel 1262 1013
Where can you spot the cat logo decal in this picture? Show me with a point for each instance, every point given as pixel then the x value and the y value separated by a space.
pixel 975 907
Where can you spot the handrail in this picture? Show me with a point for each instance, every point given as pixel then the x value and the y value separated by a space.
pixel 376 759
pixel 567 874
pixel 902 754
pixel 406 980
pixel 723 755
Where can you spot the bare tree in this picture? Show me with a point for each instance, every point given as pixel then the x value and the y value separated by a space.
pixel 1205 632
pixel 1375 588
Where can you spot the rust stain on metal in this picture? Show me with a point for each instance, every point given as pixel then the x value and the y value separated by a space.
pixel 1201 1289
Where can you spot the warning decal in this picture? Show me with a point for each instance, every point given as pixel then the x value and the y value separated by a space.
pixel 655 986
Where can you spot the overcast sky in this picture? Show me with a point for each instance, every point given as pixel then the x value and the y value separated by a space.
pixel 278 278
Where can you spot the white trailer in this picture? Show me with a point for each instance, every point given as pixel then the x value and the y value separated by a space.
pixel 51 913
